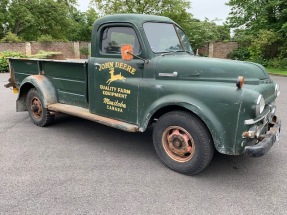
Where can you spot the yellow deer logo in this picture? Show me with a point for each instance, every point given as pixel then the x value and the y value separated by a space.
pixel 115 77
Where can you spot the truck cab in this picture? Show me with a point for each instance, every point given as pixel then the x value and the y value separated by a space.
pixel 120 85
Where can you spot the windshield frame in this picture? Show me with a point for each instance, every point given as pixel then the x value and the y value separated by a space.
pixel 191 49
pixel 183 49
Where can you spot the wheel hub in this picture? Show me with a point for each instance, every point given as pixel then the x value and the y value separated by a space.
pixel 179 143
pixel 36 107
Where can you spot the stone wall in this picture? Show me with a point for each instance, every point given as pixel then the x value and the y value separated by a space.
pixel 221 50
pixel 69 50
pixel 84 46
pixel 14 47
pixel 72 50
pixel 218 49
pixel 66 48
pixel 203 51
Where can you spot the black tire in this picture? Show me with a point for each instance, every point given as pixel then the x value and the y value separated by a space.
pixel 183 142
pixel 40 116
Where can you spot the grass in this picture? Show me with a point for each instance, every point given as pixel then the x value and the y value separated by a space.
pixel 277 71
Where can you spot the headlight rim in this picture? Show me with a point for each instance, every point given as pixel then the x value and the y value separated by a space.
pixel 277 90
pixel 260 105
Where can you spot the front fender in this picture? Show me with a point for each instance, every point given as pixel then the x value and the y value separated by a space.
pixel 44 87
pixel 206 114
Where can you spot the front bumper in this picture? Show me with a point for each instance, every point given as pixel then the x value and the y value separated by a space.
pixel 263 146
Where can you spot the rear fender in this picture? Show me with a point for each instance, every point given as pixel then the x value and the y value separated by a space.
pixel 43 85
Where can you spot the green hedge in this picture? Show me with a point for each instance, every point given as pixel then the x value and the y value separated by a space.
pixel 278 63
pixel 4 64
pixel 243 54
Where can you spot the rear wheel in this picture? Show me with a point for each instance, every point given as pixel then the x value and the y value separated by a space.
pixel 183 142
pixel 39 115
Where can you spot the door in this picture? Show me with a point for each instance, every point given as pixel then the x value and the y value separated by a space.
pixel 116 82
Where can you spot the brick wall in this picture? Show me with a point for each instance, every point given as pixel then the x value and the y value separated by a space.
pixel 221 50
pixel 66 48
pixel 84 45
pixel 14 47
pixel 204 51
pixel 72 49
pixel 218 49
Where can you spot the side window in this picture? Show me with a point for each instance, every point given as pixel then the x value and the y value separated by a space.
pixel 114 37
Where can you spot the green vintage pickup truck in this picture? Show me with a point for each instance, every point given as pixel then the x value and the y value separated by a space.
pixel 143 73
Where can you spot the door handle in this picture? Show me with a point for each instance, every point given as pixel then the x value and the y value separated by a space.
pixel 174 74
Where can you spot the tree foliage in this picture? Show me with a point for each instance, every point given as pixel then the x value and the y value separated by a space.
pixel 202 32
pixel 31 18
pixel 60 20
pixel 56 19
pixel 10 38
pixel 258 14
pixel 174 9
pixel 159 7
pixel 199 32
pixel 261 27
pixel 82 24
pixel 3 23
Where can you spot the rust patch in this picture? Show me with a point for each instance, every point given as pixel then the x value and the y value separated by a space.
pixel 249 134
pixel 11 83
pixel 245 134
pixel 36 108
pixel 178 144
pixel 39 77
pixel 11 80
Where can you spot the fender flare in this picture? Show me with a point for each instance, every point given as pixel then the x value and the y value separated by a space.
pixel 43 85
pixel 197 108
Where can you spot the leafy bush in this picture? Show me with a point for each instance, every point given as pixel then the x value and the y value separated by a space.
pixel 239 54
pixel 260 60
pixel 45 39
pixel 278 63
pixel 4 64
pixel 84 51
pixel 45 55
pixel 264 45
pixel 11 38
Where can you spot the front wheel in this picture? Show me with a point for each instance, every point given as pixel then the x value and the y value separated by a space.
pixel 39 115
pixel 183 142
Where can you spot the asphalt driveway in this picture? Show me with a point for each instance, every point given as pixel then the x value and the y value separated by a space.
pixel 79 167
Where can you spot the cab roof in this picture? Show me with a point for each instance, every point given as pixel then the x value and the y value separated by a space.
pixel 136 19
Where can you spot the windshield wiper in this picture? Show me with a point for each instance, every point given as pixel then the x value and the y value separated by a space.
pixel 172 52
pixel 189 52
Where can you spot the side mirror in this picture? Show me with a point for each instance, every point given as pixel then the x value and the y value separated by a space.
pixel 127 52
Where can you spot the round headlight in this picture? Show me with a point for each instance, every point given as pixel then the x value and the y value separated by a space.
pixel 277 90
pixel 260 104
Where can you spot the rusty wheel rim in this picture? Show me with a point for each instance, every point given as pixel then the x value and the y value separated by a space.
pixel 178 144
pixel 36 107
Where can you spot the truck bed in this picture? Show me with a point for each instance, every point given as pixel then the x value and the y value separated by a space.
pixel 68 76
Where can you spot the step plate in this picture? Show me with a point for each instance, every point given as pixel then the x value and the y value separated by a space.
pixel 85 114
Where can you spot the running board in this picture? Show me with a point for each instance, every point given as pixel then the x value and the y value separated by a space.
pixel 85 113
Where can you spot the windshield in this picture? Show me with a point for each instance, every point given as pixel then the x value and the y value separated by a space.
pixel 163 37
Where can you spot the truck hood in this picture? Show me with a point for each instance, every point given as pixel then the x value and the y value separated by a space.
pixel 185 67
